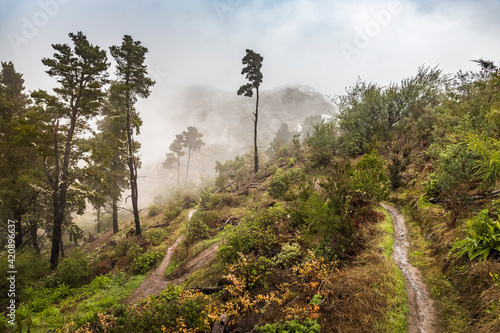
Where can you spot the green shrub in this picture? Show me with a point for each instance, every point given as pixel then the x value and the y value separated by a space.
pixel 99 282
pixel 295 175
pixel 292 326
pixel 205 196
pixel 145 262
pixel 172 211
pixel 279 184
pixel 272 169
pixel 321 143
pixel 290 253
pixel 284 152
pixel 156 235
pixel 169 310
pixel 245 238
pixel 28 294
pixel 153 210
pixel 134 251
pixel 270 217
pixel 74 270
pixel 229 172
pixel 281 181
pixel 219 200
pixel 254 272
pixel 370 180
pixel 61 292
pixel 483 238
pixel 210 218
pixel 197 230
pixel 37 304
pixel 123 246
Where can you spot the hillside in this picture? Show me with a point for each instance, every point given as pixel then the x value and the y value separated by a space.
pixel 384 217
pixel 225 120
pixel 261 223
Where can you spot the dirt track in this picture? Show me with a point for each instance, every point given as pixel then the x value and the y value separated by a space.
pixel 421 316
pixel 155 282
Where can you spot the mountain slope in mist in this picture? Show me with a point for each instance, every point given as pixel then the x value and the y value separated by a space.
pixel 227 119
pixel 226 122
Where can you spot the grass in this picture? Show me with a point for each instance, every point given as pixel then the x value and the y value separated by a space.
pixel 79 304
pixel 116 290
pixel 453 315
pixel 396 319
pixel 369 293
pixel 387 229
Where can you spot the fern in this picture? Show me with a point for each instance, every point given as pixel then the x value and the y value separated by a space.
pixel 483 238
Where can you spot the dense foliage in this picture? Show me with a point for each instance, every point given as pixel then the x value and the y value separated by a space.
pixel 285 233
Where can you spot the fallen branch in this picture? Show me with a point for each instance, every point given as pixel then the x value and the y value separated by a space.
pixel 229 221
pixel 246 187
pixel 158 226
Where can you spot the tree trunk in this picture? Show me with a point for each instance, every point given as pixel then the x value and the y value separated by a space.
pixel 115 214
pixel 178 169
pixel 56 235
pixel 62 247
pixel 187 165
pixel 132 169
pixel 256 114
pixel 60 188
pixel 98 220
pixel 18 229
pixel 33 231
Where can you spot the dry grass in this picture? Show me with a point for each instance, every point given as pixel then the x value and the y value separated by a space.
pixel 369 295
pixel 467 295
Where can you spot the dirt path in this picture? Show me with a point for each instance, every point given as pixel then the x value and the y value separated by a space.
pixel 421 316
pixel 201 259
pixel 155 282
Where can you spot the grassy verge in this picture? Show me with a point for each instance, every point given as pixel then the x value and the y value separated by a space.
pixel 369 293
pixel 453 315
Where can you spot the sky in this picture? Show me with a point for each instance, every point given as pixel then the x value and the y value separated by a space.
pixel 325 44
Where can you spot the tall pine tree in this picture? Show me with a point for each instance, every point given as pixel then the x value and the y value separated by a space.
pixel 253 64
pixel 133 82
pixel 81 72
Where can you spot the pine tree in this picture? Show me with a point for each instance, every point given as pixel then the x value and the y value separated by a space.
pixel 81 72
pixel 193 142
pixel 253 64
pixel 174 157
pixel 133 82
pixel 18 163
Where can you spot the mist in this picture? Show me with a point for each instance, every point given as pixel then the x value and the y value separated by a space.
pixel 196 47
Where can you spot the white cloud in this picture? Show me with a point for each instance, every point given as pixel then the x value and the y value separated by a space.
pixel 197 41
